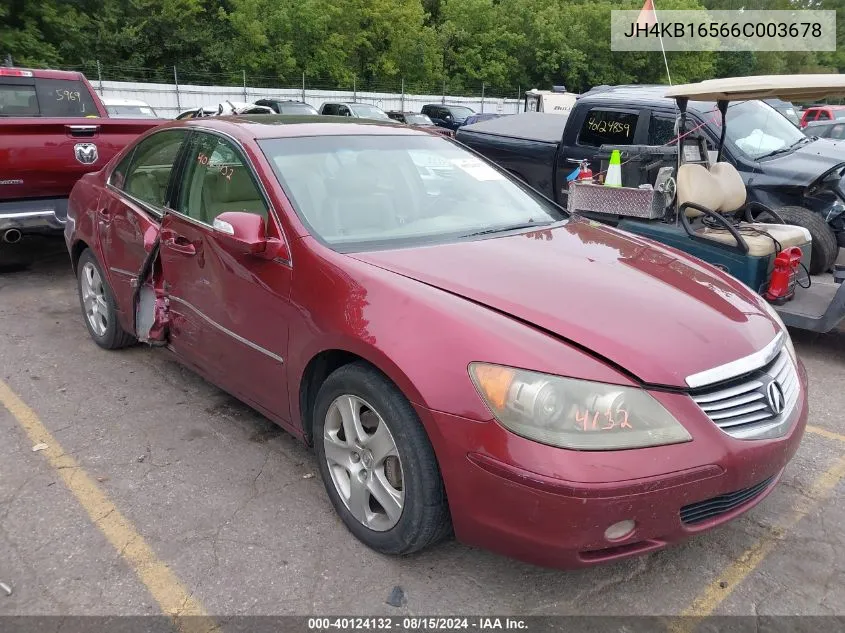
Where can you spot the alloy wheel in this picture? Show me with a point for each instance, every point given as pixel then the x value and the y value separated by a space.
pixel 364 463
pixel 94 299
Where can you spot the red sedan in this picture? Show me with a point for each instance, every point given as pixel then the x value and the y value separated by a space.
pixel 460 353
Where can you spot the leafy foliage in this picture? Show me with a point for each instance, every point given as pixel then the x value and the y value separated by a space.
pixel 430 44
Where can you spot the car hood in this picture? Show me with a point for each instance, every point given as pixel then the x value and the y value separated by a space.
pixel 654 312
pixel 805 165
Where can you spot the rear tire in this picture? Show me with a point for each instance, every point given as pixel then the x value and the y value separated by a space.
pixel 825 247
pixel 99 309
pixel 388 457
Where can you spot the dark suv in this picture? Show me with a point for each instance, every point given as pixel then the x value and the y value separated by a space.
pixel 287 106
pixel 449 116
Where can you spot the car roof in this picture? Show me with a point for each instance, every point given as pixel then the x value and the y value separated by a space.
pixel 819 106
pixel 646 93
pixel 50 74
pixel 265 126
pixel 111 101
pixel 633 94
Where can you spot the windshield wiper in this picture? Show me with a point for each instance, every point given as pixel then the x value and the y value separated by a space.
pixel 510 227
pixel 782 150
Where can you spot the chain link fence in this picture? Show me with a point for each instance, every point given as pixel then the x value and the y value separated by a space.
pixel 173 90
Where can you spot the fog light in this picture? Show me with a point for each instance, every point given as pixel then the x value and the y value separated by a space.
pixel 620 530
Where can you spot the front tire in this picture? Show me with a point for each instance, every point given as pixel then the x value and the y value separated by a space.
pixel 98 305
pixel 377 462
pixel 825 246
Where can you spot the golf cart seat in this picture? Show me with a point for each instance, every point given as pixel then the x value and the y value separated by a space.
pixel 721 190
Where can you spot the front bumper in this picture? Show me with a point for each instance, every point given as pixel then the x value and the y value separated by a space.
pixel 551 507
pixel 43 216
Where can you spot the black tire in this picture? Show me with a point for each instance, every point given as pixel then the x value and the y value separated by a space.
pixel 825 247
pixel 424 518
pixel 113 337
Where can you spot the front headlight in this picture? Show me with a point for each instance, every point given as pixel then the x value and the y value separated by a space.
pixel 575 414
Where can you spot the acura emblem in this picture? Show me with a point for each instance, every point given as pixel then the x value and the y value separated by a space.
pixel 86 153
pixel 774 393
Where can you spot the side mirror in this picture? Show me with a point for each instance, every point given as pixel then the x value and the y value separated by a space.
pixel 246 234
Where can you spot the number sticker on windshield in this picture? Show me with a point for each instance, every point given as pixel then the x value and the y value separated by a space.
pixel 477 169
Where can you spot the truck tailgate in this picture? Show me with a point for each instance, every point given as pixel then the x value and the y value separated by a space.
pixel 44 157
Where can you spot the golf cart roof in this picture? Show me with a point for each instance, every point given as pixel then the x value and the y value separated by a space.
pixel 788 87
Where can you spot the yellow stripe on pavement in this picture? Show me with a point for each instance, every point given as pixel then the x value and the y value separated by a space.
pixel 720 588
pixel 172 596
pixel 831 435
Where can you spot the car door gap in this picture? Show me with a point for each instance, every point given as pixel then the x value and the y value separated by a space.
pixel 149 301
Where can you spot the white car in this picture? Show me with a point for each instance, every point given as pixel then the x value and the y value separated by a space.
pixel 129 109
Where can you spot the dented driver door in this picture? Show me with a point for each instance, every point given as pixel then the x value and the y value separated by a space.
pixel 228 311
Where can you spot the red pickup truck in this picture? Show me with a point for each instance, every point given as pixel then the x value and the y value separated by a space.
pixel 53 129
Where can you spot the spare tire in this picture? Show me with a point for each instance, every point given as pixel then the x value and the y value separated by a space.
pixel 825 247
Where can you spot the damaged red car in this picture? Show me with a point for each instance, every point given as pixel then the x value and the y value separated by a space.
pixel 462 355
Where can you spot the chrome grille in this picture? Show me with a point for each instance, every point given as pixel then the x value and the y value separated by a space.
pixel 741 407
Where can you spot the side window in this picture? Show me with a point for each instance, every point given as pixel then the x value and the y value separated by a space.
pixel 823 116
pixel 329 108
pixel 152 163
pixel 217 180
pixel 118 176
pixel 343 111
pixel 661 130
pixel 605 127
pixel 838 131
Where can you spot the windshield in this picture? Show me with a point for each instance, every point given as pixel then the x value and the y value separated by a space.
pixel 460 113
pixel 296 108
pixel 789 112
pixel 131 112
pixel 369 112
pixel 361 193
pixel 417 119
pixel 757 129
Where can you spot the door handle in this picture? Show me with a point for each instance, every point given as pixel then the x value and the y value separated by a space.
pixel 83 131
pixel 178 243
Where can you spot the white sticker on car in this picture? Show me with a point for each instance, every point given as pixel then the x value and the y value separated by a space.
pixel 477 169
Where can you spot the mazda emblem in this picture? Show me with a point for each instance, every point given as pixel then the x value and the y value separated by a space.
pixel 774 393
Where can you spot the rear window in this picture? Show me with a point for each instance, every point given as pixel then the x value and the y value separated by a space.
pixel 605 127
pixel 46 97
pixel 296 108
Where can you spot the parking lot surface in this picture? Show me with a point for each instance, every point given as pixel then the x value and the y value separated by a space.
pixel 158 492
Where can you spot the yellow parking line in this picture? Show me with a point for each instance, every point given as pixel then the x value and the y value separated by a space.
pixel 714 594
pixel 831 435
pixel 173 598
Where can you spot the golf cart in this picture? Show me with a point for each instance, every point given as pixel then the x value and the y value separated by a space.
pixel 688 198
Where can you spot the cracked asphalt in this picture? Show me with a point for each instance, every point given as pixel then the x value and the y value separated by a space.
pixel 236 509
